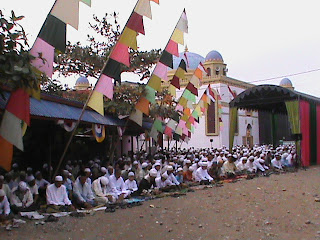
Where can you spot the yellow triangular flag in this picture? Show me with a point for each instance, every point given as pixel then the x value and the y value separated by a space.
pixel 96 102
pixel 172 90
pixel 129 38
pixel 177 36
pixel 180 73
pixel 155 82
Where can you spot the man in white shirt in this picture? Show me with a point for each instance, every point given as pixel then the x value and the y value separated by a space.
pixel 103 191
pixel 57 198
pixel 229 168
pixel 242 165
pixel 5 187
pixel 82 192
pixel 276 163
pixel 33 188
pixel 131 184
pixel 163 183
pixel 4 207
pixel 171 176
pixel 21 198
pixel 121 189
pixel 202 176
pixel 251 167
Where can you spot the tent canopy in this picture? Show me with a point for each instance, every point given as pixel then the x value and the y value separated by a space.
pixel 269 98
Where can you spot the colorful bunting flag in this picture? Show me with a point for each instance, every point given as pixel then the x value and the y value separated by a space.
pixel 172 48
pixel 98 132
pixel 135 23
pixel 143 8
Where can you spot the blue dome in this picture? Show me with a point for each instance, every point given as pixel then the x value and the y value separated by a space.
pixel 82 81
pixel 214 56
pixel 193 60
pixel 286 82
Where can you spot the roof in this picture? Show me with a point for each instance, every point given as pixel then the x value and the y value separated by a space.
pixel 214 56
pixel 192 62
pixel 60 108
pixel 269 98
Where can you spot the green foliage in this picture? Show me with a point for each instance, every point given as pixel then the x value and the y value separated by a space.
pixel 89 60
pixel 15 68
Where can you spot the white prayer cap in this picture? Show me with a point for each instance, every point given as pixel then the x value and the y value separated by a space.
pixel 135 162
pixel 45 165
pixel 153 172
pixel 285 155
pixel 2 193
pixel 144 165
pixel 156 164
pixel 130 174
pixel 30 178
pixel 165 175
pixel 179 169
pixel 1 177
pixel 204 164
pixel 87 170
pixel 15 165
pixel 23 186
pixel 191 169
pixel 58 179
pixel 103 170
pixel 104 180
pixel 229 155
pixel 244 158
pixel 174 158
pixel 29 169
pixel 37 173
pixel 169 168
pixel 235 156
pixel 188 161
pixel 262 155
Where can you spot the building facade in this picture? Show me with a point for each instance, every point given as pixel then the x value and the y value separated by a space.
pixel 213 128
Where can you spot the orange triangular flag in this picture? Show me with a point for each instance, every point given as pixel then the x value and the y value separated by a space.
pixel 143 105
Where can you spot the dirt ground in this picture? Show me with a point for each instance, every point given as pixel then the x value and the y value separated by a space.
pixel 279 207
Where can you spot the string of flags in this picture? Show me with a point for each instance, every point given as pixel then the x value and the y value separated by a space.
pixel 120 55
pixel 160 71
pixel 51 37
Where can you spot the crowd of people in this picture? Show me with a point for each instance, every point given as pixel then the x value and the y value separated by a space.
pixel 88 184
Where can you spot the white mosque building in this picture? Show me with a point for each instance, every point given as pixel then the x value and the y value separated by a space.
pixel 213 128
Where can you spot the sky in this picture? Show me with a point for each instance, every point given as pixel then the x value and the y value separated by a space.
pixel 257 39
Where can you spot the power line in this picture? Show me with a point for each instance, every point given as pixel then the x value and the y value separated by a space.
pixel 289 75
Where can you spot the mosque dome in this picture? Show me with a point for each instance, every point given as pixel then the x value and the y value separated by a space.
pixel 193 60
pixel 82 83
pixel 214 56
pixel 286 82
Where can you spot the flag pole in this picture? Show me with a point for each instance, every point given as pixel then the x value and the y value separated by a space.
pixel 87 101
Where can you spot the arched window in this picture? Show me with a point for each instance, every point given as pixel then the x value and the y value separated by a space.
pixel 212 120
pixel 209 72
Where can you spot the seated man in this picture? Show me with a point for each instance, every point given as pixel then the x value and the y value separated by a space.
pixel 229 168
pixel 57 198
pixel 163 183
pixel 103 191
pixel 242 165
pixel 121 189
pixel 171 176
pixel 33 188
pixel 179 175
pixel 21 199
pixel 251 167
pixel 276 163
pixel 82 193
pixel 187 175
pixel 202 176
pixel 4 207
pixel 5 187
pixel 131 184
pixel 41 183
pixel 148 182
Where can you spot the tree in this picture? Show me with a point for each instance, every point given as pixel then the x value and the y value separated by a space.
pixel 16 70
pixel 89 60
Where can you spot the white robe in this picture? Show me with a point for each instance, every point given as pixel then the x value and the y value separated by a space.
pixel 202 174
pixel 57 196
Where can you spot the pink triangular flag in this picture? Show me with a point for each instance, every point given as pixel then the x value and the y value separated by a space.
pixel 172 48
pixel 44 54
pixel 105 86
pixel 120 53
pixel 161 71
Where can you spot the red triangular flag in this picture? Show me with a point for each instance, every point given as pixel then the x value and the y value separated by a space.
pixel 19 105
pixel 136 23
pixel 175 82
pixel 192 89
